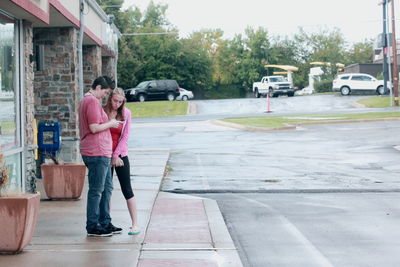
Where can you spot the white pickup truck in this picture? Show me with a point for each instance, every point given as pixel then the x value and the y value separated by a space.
pixel 274 86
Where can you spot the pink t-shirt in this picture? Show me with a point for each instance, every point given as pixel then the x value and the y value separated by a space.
pixel 100 143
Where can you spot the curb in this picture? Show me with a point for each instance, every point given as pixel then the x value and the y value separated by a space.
pixel 294 126
pixel 252 128
pixel 192 109
pixel 358 105
pixel 221 237
pixel 284 191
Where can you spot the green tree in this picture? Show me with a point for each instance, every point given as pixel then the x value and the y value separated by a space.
pixel 154 16
pixel 146 57
pixel 216 67
pixel 194 67
pixel 283 51
pixel 361 52
pixel 253 51
pixel 214 49
pixel 325 45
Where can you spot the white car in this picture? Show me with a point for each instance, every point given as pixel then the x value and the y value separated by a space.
pixel 184 95
pixel 352 82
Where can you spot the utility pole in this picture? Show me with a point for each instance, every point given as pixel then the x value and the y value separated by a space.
pixel 394 53
pixel 384 47
pixel 388 52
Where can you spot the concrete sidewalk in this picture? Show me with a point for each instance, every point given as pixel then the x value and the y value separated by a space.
pixel 177 230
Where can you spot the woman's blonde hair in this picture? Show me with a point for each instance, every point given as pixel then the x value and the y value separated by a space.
pixel 108 106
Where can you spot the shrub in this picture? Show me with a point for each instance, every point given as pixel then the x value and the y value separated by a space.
pixel 225 92
pixel 323 86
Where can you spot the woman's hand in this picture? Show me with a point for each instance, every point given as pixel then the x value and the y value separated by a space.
pixel 117 162
pixel 114 123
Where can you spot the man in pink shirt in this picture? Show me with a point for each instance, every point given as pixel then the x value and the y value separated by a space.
pixel 96 151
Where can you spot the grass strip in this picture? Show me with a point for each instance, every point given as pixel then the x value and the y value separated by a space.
pixel 281 121
pixel 157 108
pixel 376 102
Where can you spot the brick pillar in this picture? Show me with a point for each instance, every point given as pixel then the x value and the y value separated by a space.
pixel 92 65
pixel 30 163
pixel 56 87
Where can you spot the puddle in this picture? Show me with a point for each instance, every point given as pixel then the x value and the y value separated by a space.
pixel 272 181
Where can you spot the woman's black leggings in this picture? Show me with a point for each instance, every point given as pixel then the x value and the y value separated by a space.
pixel 124 177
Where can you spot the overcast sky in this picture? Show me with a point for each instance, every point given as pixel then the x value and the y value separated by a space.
pixel 357 19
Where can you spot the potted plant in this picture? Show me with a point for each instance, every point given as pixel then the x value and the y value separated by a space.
pixel 63 180
pixel 18 215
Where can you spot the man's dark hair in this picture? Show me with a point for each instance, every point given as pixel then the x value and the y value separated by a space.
pixel 104 81
pixel 110 82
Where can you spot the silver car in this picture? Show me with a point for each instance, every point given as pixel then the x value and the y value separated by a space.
pixel 184 94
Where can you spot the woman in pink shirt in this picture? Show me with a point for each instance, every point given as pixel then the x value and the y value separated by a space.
pixel 116 110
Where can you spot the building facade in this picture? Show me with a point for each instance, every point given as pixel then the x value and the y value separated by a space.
pixel 40 48
pixel 376 67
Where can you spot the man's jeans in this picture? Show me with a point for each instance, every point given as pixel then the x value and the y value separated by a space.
pixel 99 194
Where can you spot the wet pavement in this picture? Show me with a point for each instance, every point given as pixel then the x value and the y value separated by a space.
pixel 208 157
pixel 283 104
pixel 319 195
pixel 177 230
pixel 313 229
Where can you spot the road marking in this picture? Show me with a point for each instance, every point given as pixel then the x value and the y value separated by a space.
pixel 78 250
pixel 186 249
pixel 292 229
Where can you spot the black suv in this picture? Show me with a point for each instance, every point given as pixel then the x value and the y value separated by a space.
pixel 155 89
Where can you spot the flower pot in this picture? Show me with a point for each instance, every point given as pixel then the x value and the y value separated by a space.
pixel 18 216
pixel 63 181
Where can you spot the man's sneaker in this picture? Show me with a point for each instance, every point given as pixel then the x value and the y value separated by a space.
pixel 99 232
pixel 115 230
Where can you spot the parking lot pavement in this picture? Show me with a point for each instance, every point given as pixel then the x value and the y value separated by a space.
pixel 313 229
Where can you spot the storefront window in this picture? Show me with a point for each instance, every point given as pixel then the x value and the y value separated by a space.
pixel 8 72
pixel 13 164
pixel 10 118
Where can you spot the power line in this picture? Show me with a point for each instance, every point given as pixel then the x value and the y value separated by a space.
pixel 113 6
pixel 148 33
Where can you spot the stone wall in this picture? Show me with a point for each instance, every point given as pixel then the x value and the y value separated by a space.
pixel 56 87
pixel 28 96
pixel 92 65
pixel 109 65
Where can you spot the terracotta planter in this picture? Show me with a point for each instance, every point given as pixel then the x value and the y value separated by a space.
pixel 18 216
pixel 64 181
